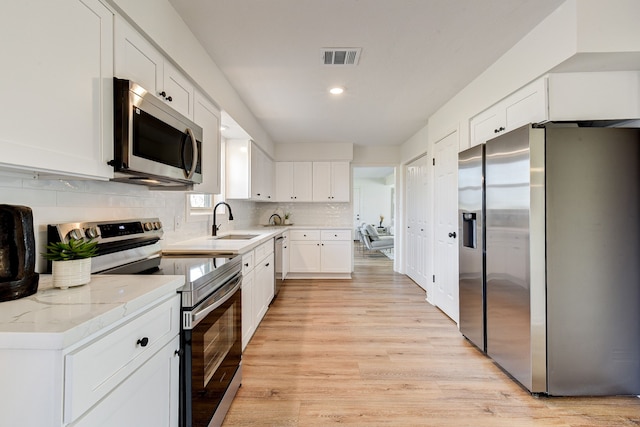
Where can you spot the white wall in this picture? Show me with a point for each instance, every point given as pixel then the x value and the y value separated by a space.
pixel 375 200
pixel 313 152
pixel 388 155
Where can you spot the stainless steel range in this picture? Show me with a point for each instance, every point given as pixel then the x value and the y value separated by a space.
pixel 211 332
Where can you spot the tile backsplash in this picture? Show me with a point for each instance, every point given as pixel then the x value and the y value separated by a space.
pixel 60 201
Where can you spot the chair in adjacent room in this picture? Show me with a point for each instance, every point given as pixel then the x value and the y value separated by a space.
pixel 373 242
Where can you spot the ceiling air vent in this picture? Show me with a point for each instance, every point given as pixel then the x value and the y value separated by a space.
pixel 341 55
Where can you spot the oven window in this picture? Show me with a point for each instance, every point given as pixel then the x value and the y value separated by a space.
pixel 218 342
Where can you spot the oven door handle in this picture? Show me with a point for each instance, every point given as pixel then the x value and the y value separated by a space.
pixel 214 301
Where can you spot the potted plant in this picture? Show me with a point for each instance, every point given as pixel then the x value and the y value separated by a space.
pixel 71 262
pixel 287 215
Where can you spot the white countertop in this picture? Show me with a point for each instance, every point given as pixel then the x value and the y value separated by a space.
pixel 54 318
pixel 219 245
pixel 216 245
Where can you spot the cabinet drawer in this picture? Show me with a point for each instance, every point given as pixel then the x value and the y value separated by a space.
pixel 263 250
pixel 304 234
pixel 95 369
pixel 248 262
pixel 336 235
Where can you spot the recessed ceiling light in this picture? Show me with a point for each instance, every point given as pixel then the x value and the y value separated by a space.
pixel 336 90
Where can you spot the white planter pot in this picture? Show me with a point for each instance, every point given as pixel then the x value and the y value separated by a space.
pixel 71 273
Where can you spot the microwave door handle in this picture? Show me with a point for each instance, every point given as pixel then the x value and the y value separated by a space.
pixel 194 146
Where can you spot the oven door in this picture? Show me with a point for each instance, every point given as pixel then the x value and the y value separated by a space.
pixel 212 345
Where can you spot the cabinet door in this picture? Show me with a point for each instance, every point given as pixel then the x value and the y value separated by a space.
pixel 136 59
pixel 261 175
pixel 340 181
pixel 321 181
pixel 268 175
pixel 264 287
pixel 248 311
pixel 285 255
pixel 207 116
pixel 302 181
pixel 256 165
pixel 179 90
pixel 488 124
pixel 304 256
pixel 528 105
pixel 57 118
pixel 149 397
pixel 284 182
pixel 294 181
pixel 336 256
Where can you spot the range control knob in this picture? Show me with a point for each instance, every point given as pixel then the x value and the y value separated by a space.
pixel 157 225
pixel 91 232
pixel 148 226
pixel 76 234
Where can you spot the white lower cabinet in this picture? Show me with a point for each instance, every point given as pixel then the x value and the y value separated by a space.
pixel 257 287
pixel 149 397
pixel 264 289
pixel 320 253
pixel 127 376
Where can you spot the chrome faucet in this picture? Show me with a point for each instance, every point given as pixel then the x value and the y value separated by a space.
pixel 214 228
pixel 274 221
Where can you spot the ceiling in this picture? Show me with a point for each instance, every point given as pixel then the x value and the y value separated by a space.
pixel 416 54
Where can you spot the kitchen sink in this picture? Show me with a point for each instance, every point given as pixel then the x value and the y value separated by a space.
pixel 237 237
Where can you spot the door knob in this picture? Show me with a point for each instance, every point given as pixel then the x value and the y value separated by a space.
pixel 453 234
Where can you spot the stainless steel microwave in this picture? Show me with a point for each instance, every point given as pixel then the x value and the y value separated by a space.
pixel 154 145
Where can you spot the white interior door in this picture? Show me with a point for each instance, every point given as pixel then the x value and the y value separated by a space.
pixel 356 211
pixel 418 226
pixel 446 239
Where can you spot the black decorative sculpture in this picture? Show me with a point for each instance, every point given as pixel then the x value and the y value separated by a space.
pixel 17 253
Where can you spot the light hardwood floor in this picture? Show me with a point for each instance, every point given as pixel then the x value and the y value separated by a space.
pixel 372 352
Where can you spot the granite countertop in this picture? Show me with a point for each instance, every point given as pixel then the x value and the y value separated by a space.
pixel 219 245
pixel 54 319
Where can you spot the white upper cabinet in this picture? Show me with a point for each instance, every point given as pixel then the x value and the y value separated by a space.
pixel 583 96
pixel 527 105
pixel 331 182
pixel 57 88
pixel 138 60
pixel 294 182
pixel 249 172
pixel 262 175
pixel 207 115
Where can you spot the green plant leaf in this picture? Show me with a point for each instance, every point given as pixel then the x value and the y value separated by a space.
pixel 74 249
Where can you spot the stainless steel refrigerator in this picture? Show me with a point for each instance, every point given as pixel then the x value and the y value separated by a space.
pixel 550 262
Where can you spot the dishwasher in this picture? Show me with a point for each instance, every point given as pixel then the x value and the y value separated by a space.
pixel 280 269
